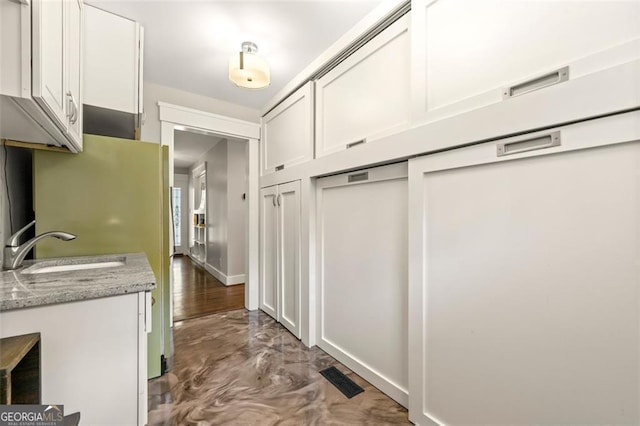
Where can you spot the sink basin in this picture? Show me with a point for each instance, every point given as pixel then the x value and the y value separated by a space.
pixel 45 268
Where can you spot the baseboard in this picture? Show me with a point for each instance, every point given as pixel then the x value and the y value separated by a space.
pixel 235 279
pixel 224 279
pixel 388 387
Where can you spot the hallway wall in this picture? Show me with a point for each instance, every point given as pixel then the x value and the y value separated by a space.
pixel 226 183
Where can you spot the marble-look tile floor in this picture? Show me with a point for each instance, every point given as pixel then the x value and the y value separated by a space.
pixel 243 368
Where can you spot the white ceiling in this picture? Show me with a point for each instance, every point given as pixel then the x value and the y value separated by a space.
pixel 188 43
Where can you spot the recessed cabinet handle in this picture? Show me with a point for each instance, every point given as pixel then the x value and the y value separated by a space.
pixel 274 201
pixel 537 83
pixel 358 177
pixel 530 144
pixel 352 144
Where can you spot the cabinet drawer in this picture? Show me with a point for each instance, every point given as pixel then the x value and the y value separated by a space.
pixel 366 96
pixel 287 132
pixel 468 55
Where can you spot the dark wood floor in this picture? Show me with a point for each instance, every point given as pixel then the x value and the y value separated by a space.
pixel 197 293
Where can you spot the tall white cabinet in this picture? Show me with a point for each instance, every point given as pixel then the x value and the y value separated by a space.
pixel 501 286
pixel 523 296
pixel 362 274
pixel 280 293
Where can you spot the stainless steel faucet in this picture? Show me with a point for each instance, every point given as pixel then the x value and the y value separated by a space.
pixel 14 253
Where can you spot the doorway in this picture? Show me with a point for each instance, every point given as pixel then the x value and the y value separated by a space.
pixel 176 119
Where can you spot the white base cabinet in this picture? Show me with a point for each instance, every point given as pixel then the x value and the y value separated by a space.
pixel 362 274
pixel 280 247
pixel 366 96
pixel 93 355
pixel 287 132
pixel 524 279
pixel 525 59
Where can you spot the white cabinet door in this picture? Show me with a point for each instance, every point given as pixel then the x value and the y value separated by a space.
pixel 524 279
pixel 289 256
pixel 74 69
pixel 112 64
pixel 287 132
pixel 48 59
pixel 268 251
pixel 362 274
pixel 367 95
pixel 567 59
pixel 280 278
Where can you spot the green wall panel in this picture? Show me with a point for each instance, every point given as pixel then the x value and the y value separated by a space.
pixel 114 196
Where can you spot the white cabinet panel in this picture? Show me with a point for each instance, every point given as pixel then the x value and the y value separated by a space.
pixel 367 95
pixel 48 60
pixel 287 132
pixel 280 278
pixel 467 55
pixel 289 256
pixel 268 251
pixel 362 274
pixel 112 64
pixel 74 68
pixel 524 279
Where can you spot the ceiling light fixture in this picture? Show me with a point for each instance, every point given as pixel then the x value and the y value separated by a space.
pixel 249 70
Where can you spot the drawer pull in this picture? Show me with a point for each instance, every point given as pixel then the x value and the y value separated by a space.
pixel 352 144
pixel 280 167
pixel 539 142
pixel 358 177
pixel 536 83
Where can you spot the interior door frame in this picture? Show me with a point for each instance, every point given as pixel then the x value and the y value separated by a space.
pixel 174 117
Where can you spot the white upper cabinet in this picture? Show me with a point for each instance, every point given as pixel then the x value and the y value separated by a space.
pixel 48 61
pixel 41 71
pixel 287 132
pixel 367 96
pixel 74 67
pixel 113 63
pixel 567 60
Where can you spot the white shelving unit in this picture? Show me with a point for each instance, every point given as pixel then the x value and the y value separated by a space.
pixel 198 243
pixel 198 250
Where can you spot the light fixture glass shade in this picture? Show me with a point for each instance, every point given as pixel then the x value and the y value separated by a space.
pixel 249 70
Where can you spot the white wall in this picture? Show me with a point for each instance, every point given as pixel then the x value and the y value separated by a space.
pixel 217 242
pixel 154 93
pixel 236 207
pixel 226 213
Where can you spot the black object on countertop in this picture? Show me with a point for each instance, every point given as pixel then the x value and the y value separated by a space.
pixel 344 384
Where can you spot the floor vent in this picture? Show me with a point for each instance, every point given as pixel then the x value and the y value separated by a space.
pixel 342 382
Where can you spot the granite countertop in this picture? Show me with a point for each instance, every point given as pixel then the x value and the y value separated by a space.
pixel 21 289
